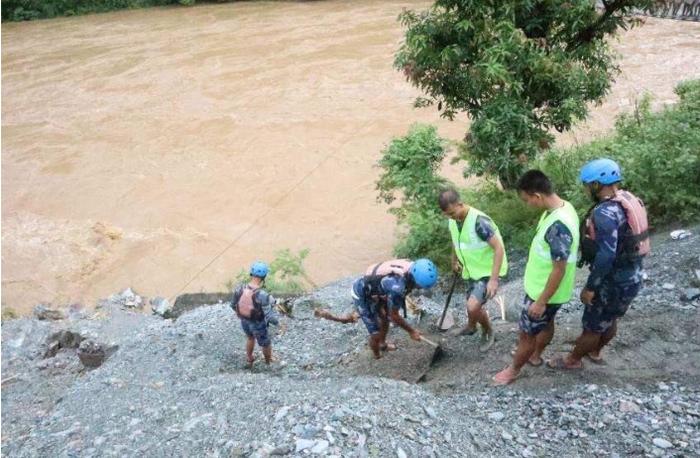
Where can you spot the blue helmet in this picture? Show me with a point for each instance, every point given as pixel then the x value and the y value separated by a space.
pixel 259 269
pixel 604 171
pixel 424 273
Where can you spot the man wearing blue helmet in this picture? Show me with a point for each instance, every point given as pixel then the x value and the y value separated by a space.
pixel 380 294
pixel 615 238
pixel 254 306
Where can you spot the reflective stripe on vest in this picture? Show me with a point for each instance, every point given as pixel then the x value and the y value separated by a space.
pixel 475 255
pixel 539 261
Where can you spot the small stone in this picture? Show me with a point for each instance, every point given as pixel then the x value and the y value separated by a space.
pixel 496 416
pixel 281 413
pixel 430 411
pixel 281 450
pixel 400 453
pixel 690 294
pixel 303 444
pixel 662 443
pixel 320 447
pixel 506 436
pixel 663 387
pixel 668 286
pixel 591 388
pixel 627 406
pixel 43 312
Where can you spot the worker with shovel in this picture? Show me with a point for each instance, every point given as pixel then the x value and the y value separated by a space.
pixel 479 255
pixel 381 293
pixel 549 274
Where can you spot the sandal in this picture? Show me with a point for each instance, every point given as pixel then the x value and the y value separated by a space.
pixel 560 363
pixel 388 346
pixel 506 376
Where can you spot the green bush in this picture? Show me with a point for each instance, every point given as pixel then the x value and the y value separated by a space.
pixel 410 170
pixel 287 274
pixel 659 154
pixel 24 10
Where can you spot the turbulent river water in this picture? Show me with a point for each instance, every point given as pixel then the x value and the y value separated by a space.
pixel 138 145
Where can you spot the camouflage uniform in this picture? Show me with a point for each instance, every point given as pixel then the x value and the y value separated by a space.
pixel 615 281
pixel 560 240
pixel 253 328
pixel 371 308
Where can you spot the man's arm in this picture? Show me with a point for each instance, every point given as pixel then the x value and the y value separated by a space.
pixel 351 317
pixel 498 255
pixel 396 317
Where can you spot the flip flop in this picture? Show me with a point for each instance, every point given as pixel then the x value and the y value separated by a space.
pixel 389 346
pixel 496 380
pixel 560 363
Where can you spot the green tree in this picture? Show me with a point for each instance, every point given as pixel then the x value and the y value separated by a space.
pixel 410 166
pixel 518 68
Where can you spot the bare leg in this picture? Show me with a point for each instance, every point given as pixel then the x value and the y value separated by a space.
pixel 541 341
pixel 526 347
pixel 587 342
pixel 267 353
pixel 375 344
pixel 249 346
pixel 477 314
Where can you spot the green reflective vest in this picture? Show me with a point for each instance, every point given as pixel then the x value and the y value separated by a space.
pixel 475 255
pixel 539 261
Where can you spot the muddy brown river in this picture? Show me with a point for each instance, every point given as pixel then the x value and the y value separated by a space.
pixel 139 145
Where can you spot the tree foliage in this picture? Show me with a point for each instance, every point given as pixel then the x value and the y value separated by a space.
pixel 410 167
pixel 518 68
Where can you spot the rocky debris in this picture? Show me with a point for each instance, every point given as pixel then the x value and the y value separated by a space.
pixel 127 299
pixel 680 234
pixel 92 354
pixel 162 307
pixel 61 339
pixel 45 312
pixel 190 301
pixel 187 379
pixel 690 294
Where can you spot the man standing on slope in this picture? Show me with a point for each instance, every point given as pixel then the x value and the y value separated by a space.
pixel 480 257
pixel 549 273
pixel 615 240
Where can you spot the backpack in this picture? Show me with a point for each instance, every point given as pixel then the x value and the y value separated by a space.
pixel 635 245
pixel 247 307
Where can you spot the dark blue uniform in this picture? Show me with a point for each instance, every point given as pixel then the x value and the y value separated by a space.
pixel 615 281
pixel 393 292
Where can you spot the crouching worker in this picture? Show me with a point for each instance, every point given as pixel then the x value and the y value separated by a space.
pixel 254 306
pixel 381 293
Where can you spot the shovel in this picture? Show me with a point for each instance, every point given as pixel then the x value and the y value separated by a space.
pixel 437 348
pixel 441 322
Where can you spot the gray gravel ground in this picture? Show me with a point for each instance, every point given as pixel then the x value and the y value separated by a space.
pixel 180 388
